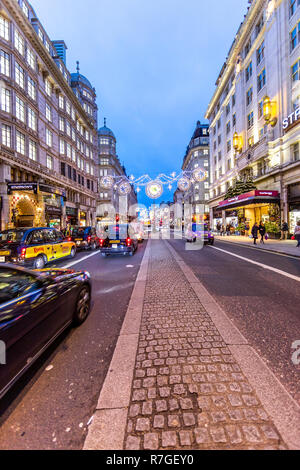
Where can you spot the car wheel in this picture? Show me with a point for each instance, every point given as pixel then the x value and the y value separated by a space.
pixel 194 240
pixel 39 262
pixel 211 243
pixel 73 252
pixel 82 307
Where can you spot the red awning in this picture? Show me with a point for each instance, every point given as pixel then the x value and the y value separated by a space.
pixel 253 197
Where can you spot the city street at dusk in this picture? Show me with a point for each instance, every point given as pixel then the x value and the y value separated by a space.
pixel 150 228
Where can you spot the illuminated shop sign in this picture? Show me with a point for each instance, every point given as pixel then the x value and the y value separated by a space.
pixel 291 120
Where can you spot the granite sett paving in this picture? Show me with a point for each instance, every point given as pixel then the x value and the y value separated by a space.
pixel 188 392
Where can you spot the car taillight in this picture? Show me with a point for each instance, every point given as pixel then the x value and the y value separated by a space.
pixel 128 242
pixel 23 252
pixel 89 239
pixel 101 243
pixel 69 239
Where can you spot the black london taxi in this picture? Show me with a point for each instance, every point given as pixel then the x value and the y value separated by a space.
pixel 34 247
pixel 118 239
pixel 85 238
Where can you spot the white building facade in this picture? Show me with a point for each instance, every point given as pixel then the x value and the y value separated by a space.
pixel 254 118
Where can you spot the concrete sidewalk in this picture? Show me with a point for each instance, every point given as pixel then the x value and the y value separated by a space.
pixel 287 247
pixel 189 379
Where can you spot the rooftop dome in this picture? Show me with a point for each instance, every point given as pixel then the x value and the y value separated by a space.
pixel 105 131
pixel 77 77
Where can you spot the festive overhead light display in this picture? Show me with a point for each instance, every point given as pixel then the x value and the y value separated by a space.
pixel 184 184
pixel 124 188
pixel 107 182
pixel 154 189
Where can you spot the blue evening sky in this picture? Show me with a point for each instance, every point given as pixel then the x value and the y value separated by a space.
pixel 154 65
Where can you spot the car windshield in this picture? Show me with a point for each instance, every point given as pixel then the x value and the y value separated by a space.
pixel 12 236
pixel 117 231
pixel 78 232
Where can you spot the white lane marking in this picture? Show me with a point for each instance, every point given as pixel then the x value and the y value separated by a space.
pixel 265 250
pixel 129 266
pixel 265 266
pixel 81 259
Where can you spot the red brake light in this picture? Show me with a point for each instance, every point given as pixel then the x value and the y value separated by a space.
pixel 89 238
pixel 69 239
pixel 101 242
pixel 23 252
pixel 128 242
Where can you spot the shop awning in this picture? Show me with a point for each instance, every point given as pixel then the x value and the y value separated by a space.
pixel 253 197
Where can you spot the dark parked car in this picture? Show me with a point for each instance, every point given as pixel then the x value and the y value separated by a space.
pixel 35 307
pixel 118 239
pixel 85 238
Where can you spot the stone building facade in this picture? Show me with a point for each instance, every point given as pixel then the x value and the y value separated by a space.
pixel 254 118
pixel 48 119
pixel 197 157
pixel 110 165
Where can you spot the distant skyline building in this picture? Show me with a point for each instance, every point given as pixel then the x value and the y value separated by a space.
pixel 109 165
pixel 197 158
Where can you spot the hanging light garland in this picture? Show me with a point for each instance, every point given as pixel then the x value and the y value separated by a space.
pixel 154 188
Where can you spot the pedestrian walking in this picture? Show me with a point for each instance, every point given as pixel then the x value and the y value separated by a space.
pixel 223 231
pixel 262 231
pixel 284 231
pixel 228 226
pixel 219 228
pixel 297 233
pixel 254 232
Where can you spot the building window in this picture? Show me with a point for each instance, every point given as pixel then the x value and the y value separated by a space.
pixel 25 9
pixel 260 109
pixel 228 127
pixel 4 63
pixel 19 43
pixel 295 71
pixel 6 100
pixel 63 169
pixel 49 138
pixel 233 120
pixel 20 142
pixel 48 113
pixel 293 39
pixel 249 96
pixel 260 53
pixel 233 100
pixel 228 145
pixel 261 80
pixel 31 119
pixel 259 25
pixel 292 6
pixel 295 152
pixel 250 120
pixel 61 102
pixel 6 135
pixel 219 139
pixel 249 71
pixel 247 48
pixel 31 88
pixel 30 58
pixel 32 150
pixel 4 28
pixel 49 162
pixel 48 87
pixel 227 109
pixel 20 109
pixel 20 75
pixel 61 124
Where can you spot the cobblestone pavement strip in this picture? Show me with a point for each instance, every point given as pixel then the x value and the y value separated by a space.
pixel 188 392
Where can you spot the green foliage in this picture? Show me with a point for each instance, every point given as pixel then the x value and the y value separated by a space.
pixel 272 227
pixel 240 187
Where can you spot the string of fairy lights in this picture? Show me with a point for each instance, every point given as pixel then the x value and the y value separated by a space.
pixel 154 188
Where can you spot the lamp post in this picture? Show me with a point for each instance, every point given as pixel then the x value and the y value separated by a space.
pixel 269 108
pixel 237 143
